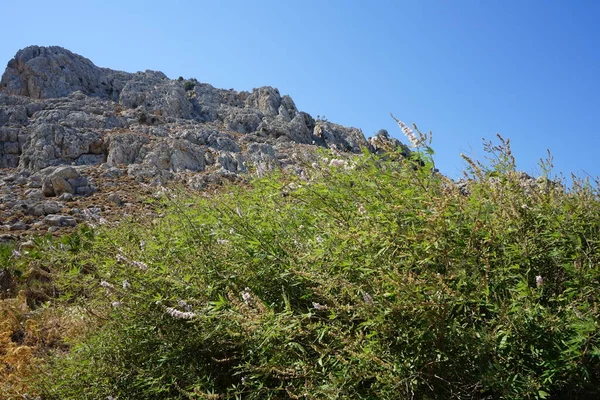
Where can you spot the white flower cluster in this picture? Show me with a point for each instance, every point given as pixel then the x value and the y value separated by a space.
pixel 183 304
pixel 416 140
pixel 138 264
pixel 175 313
pixel 362 210
pixel 247 296
pixel 339 163
pixel 539 281
pixel 106 285
pixel 336 162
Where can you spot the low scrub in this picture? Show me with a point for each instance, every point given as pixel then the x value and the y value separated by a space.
pixel 374 278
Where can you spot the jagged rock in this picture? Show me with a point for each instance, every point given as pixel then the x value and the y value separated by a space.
pixel 46 72
pixel 157 94
pixel 52 144
pixel 266 100
pixel 339 137
pixel 298 130
pixel 113 172
pixel 66 197
pixel 34 194
pixel 10 147
pixel 232 162
pixel 57 182
pixel 207 100
pixel 240 120
pixel 176 155
pixel 65 180
pixel 149 173
pixel 221 142
pixel 126 149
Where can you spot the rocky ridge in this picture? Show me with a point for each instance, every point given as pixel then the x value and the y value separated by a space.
pixel 84 143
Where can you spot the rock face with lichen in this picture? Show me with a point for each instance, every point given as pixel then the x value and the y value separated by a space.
pixel 62 117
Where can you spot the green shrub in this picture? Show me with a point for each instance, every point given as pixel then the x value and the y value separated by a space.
pixel 189 85
pixel 375 278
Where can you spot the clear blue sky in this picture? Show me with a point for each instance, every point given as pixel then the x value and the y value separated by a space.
pixel 527 69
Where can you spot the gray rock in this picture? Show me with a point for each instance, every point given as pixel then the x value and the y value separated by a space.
pixel 266 100
pixel 125 149
pixel 40 208
pixel 339 137
pixel 66 197
pixel 10 147
pixel 240 120
pixel 19 226
pixel 59 220
pixel 34 194
pixel 115 198
pixel 63 119
pixel 113 172
pixel 52 144
pixel 57 181
pixel 47 72
pixel 157 94
pixel 149 173
pixel 61 180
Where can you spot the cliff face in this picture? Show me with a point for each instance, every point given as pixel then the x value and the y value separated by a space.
pixel 59 111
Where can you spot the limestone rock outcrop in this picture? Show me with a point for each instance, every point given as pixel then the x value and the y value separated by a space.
pixel 49 72
pixel 68 126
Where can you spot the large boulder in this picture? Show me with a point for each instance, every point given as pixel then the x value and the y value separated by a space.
pixel 62 180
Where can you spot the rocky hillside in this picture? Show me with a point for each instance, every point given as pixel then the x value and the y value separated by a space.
pixel 79 142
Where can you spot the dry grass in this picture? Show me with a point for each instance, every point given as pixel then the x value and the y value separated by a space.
pixel 26 335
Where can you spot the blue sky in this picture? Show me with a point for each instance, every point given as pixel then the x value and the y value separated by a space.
pixel 527 69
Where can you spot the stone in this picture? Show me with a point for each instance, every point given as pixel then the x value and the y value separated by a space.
pixel 66 197
pixel 115 198
pixel 114 172
pixel 65 180
pixel 18 226
pixel 59 220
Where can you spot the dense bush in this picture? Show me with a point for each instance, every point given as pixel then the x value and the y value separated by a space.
pixel 375 278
